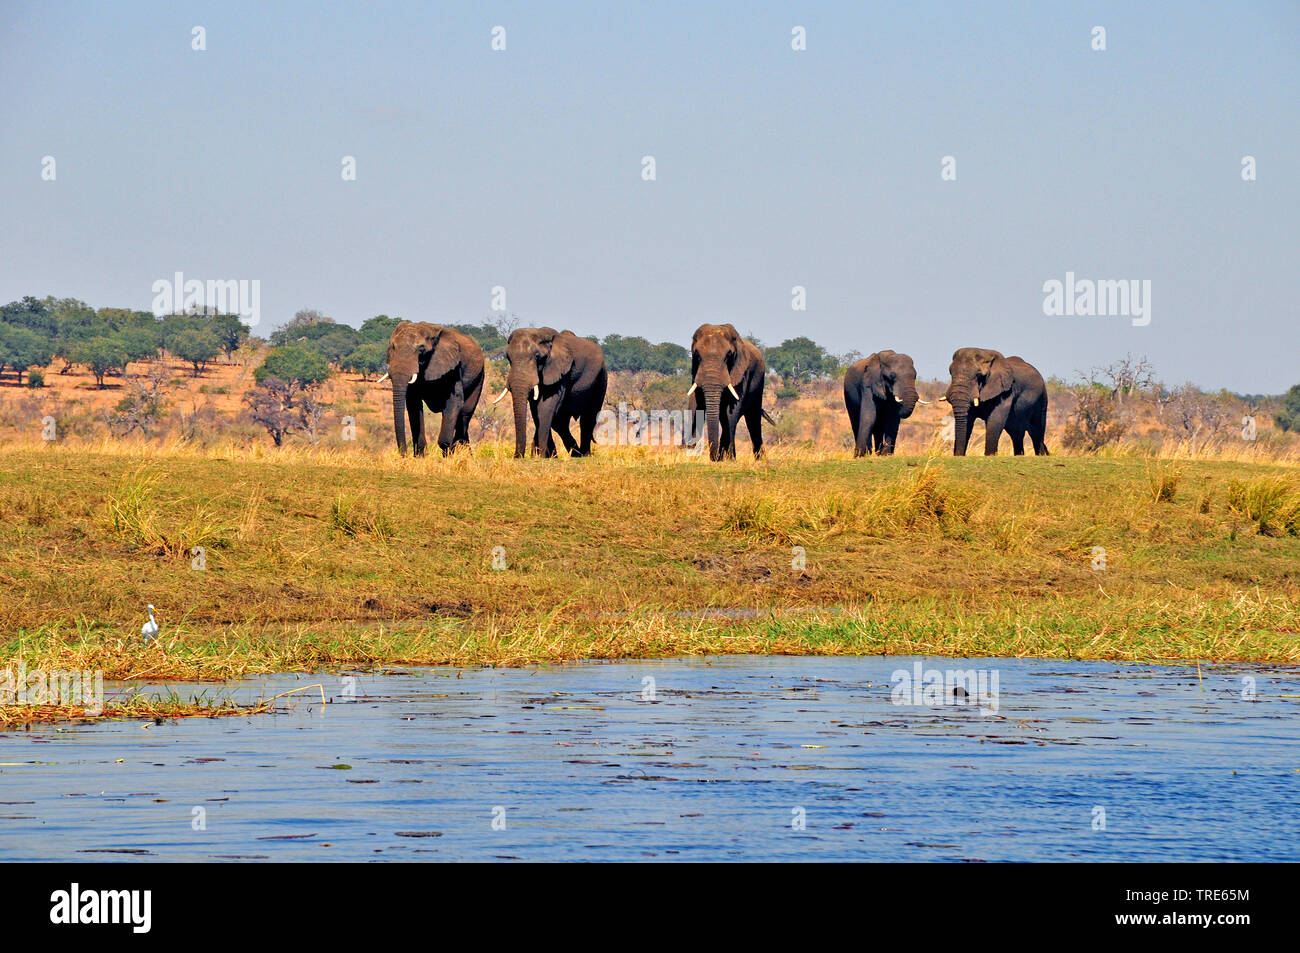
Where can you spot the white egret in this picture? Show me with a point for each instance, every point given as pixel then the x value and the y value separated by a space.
pixel 150 628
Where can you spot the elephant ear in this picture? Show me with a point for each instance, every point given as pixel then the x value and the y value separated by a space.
pixel 997 379
pixel 445 356
pixel 874 374
pixel 559 363
pixel 740 363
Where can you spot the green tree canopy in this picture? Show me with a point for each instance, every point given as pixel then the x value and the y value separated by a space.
pixel 295 364
pixel 366 359
pixel 307 325
pixel 173 325
pixel 486 335
pixel 102 355
pixel 379 329
pixel 337 344
pixel 1288 418
pixel 638 354
pixel 140 343
pixel 32 314
pixel 801 359
pixel 229 331
pixel 22 348
pixel 197 347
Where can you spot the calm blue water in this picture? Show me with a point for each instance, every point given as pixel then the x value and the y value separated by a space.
pixel 720 765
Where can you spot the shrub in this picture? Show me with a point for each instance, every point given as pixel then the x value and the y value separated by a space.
pixel 1094 423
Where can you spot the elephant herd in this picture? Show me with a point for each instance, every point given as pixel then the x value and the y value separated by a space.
pixel 557 377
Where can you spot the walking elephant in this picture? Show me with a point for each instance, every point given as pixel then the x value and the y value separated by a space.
pixel 879 392
pixel 439 368
pixel 1005 392
pixel 727 374
pixel 559 377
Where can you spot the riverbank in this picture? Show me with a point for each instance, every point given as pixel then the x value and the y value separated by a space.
pixel 293 562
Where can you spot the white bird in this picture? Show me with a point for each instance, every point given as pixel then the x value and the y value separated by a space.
pixel 150 628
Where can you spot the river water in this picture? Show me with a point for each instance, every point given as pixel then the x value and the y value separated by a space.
pixel 701 759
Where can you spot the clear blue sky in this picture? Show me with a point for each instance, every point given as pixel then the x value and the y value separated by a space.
pixel 775 168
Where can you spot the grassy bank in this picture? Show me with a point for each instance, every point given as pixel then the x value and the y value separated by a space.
pixel 343 559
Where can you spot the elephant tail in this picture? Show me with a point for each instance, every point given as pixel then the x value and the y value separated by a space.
pixel 767 417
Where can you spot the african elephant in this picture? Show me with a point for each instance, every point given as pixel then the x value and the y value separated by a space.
pixel 727 375
pixel 879 392
pixel 437 367
pixel 1005 392
pixel 560 377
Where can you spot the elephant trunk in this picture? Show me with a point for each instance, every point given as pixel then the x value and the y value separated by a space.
pixel 961 433
pixel 712 400
pixel 908 396
pixel 519 395
pixel 399 412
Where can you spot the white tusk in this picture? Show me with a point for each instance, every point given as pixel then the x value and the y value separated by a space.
pixel 920 401
pixel 975 402
pixel 943 397
pixel 382 379
pixel 733 392
pixel 412 380
pixel 692 390
pixel 897 398
pixel 501 395
pixel 537 391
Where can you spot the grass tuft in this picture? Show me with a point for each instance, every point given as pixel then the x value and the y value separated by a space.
pixel 1271 503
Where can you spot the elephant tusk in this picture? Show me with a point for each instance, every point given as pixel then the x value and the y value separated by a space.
pixel 897 398
pixel 382 379
pixel 733 392
pixel 412 380
pixel 537 391
pixel 920 401
pixel 501 396
pixel 975 402
pixel 692 390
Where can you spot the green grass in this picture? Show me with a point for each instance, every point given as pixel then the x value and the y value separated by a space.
pixel 331 559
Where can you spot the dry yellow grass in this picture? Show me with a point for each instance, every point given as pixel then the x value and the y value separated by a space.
pixel 331 557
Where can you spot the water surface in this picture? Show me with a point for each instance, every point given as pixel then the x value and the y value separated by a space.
pixel 715 759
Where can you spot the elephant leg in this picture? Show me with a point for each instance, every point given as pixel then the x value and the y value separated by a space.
pixel 994 424
pixel 537 430
pixel 561 426
pixel 447 429
pixel 754 421
pixel 1038 429
pixel 467 408
pixel 595 400
pixel 1017 440
pixel 546 419
pixel 888 433
pixel 725 436
pixel 733 429
pixel 587 427
pixel 415 413
pixel 865 423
